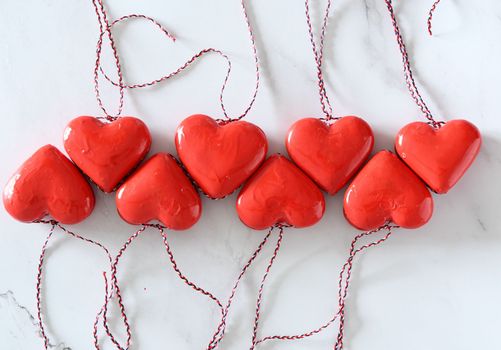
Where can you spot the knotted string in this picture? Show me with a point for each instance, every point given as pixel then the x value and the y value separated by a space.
pixel 343 286
pixel 430 16
pixel 39 277
pixel 409 78
pixel 318 53
pixel 121 85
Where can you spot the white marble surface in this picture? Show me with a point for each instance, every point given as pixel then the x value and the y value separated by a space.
pixel 433 288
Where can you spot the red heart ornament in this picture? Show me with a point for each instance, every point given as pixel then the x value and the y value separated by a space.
pixel 387 190
pixel 279 192
pixel 439 156
pixel 220 157
pixel 330 154
pixel 159 190
pixel 107 152
pixel 48 184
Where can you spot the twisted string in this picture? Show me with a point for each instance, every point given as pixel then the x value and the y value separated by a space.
pixel 262 285
pixel 41 261
pixel 104 28
pixel 409 78
pixel 118 294
pixel 347 267
pixel 343 286
pixel 107 297
pixel 318 53
pixel 194 58
pixel 430 16
pixel 221 328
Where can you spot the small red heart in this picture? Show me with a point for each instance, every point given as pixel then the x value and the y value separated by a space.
pixel 387 190
pixel 107 152
pixel 220 157
pixel 159 190
pixel 330 154
pixel 439 156
pixel 279 192
pixel 48 184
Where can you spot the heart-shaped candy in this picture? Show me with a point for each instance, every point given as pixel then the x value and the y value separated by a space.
pixel 220 157
pixel 107 152
pixel 387 190
pixel 330 154
pixel 48 184
pixel 439 156
pixel 279 192
pixel 159 190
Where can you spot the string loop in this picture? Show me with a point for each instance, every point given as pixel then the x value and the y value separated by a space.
pixel 409 78
pixel 221 328
pixel 53 224
pixel 318 53
pixel 343 286
pixel 104 28
pixel 121 85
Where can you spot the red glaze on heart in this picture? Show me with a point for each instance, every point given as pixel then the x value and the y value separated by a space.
pixel 279 192
pixel 387 190
pixel 330 154
pixel 439 156
pixel 220 157
pixel 159 190
pixel 48 184
pixel 107 152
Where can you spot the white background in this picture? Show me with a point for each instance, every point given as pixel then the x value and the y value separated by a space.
pixel 433 288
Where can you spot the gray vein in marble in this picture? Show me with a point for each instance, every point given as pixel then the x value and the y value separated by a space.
pixel 482 225
pixel 8 300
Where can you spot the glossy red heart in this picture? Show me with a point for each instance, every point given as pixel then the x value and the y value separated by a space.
pixel 159 190
pixel 439 156
pixel 330 154
pixel 387 190
pixel 48 184
pixel 220 157
pixel 107 152
pixel 279 192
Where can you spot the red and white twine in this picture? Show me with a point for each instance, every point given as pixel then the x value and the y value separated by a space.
pixel 409 77
pixel 121 85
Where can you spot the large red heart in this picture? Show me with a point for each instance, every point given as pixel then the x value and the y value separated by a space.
pixel 330 154
pixel 279 192
pixel 439 156
pixel 48 184
pixel 220 157
pixel 159 190
pixel 387 190
pixel 107 152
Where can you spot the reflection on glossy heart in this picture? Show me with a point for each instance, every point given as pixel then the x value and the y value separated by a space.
pixel 220 157
pixel 330 154
pixel 48 184
pixel 159 190
pixel 387 190
pixel 439 156
pixel 280 192
pixel 107 152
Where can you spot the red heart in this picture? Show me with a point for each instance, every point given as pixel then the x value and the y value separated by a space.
pixel 220 157
pixel 279 192
pixel 387 190
pixel 330 154
pixel 439 156
pixel 159 190
pixel 107 153
pixel 48 184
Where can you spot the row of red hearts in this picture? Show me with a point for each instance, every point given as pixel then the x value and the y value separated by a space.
pixel 221 156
